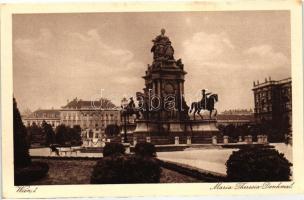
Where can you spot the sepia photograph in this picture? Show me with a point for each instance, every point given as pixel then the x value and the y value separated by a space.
pixel 158 97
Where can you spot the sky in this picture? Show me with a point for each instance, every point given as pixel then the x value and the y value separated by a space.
pixel 57 57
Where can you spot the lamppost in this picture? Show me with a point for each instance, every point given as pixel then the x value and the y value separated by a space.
pixel 124 104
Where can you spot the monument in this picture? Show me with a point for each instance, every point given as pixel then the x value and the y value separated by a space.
pixel 163 114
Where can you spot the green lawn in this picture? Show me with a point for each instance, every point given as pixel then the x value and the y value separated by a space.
pixel 79 172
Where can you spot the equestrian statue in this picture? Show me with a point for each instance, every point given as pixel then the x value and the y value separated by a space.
pixel 206 103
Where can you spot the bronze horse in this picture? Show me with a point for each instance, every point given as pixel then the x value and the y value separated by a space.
pixel 206 103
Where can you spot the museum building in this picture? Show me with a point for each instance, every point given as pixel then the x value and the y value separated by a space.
pixel 273 101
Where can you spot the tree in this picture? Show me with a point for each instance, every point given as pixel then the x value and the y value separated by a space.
pixel 75 135
pixel 36 134
pixel 21 147
pixel 69 135
pixel 112 130
pixel 49 132
pixel 61 134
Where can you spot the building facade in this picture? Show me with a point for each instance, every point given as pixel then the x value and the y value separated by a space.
pixel 273 101
pixel 89 114
pixel 236 120
pixel 92 116
pixel 50 116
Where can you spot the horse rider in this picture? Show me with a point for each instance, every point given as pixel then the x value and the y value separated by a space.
pixel 131 103
pixel 205 96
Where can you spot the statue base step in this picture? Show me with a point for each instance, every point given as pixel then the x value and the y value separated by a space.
pixel 175 127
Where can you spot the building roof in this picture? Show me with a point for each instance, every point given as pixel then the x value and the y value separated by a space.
pixel 82 104
pixel 270 83
pixel 44 113
pixel 224 117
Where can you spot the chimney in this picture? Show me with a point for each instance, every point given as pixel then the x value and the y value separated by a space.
pixel 266 80
pixel 253 83
pixel 269 78
pixel 258 82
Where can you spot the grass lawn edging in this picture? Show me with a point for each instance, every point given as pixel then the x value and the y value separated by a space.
pixel 65 158
pixel 204 175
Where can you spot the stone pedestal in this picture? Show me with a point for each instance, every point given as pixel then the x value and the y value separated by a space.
pixel 172 127
pixel 141 126
pixel 159 130
pixel 260 139
pixel 207 125
pixel 134 141
pixel 90 143
pixel 175 127
pixel 265 139
pixel 176 140
pixel 214 140
pixel 188 140
pixel 127 147
pixel 225 139
pixel 240 139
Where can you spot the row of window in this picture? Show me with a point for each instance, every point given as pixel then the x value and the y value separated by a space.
pixel 82 117
pixel 44 115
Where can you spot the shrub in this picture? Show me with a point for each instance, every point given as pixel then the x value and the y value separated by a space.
pixel 145 149
pixel 35 171
pixel 126 169
pixel 258 164
pixel 112 130
pixel 113 149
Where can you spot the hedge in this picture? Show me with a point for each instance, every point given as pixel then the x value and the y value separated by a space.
pixel 112 149
pixel 126 169
pixel 258 164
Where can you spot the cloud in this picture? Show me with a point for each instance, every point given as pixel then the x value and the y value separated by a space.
pixel 213 61
pixel 33 47
pixel 81 62
pixel 266 55
pixel 203 47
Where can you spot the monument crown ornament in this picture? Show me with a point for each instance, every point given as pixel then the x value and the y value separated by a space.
pixel 162 49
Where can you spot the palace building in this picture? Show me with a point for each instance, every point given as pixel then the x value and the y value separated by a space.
pixel 89 114
pixel 273 101
pixel 86 114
